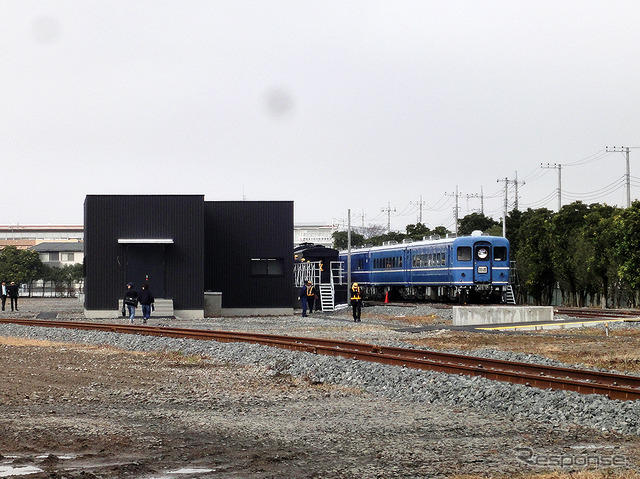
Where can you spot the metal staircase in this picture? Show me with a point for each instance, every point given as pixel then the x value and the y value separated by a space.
pixel 326 297
pixel 510 297
pixel 513 284
pixel 311 271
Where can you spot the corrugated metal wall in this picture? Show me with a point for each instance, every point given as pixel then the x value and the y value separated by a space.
pixel 236 232
pixel 110 217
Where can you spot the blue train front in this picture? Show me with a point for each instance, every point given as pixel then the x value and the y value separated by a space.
pixel 465 269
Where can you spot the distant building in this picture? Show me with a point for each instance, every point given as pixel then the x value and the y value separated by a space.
pixel 26 236
pixel 58 254
pixel 313 233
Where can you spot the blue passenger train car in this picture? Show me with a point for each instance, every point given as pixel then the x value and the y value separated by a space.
pixel 465 269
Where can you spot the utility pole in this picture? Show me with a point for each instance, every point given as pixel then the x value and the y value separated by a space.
pixel 506 207
pixel 388 210
pixel 455 209
pixel 420 204
pixel 625 149
pixel 476 195
pixel 556 166
pixel 516 182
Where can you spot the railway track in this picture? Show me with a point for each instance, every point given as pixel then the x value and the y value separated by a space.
pixel 614 386
pixel 628 314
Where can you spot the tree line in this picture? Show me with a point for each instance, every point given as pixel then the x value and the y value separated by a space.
pixel 25 267
pixel 590 254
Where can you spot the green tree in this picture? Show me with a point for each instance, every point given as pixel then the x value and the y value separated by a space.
pixel 569 251
pixel 340 240
pixel 441 231
pixel 535 265
pixel 626 227
pixel 418 231
pixel 391 236
pixel 20 265
pixel 514 221
pixel 475 222
pixel 597 262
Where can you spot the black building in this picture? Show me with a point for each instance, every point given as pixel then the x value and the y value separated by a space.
pixel 183 246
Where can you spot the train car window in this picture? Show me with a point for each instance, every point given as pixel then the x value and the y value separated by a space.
pixel 400 258
pixel 464 253
pixel 500 253
pixel 482 253
pixel 443 259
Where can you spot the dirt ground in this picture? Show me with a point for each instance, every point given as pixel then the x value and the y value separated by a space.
pixel 78 411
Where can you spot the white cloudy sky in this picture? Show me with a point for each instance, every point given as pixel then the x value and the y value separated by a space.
pixel 335 105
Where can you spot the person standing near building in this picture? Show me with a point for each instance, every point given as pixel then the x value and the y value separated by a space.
pixel 303 298
pixel 311 296
pixel 131 301
pixel 146 300
pixel 3 294
pixel 356 302
pixel 12 292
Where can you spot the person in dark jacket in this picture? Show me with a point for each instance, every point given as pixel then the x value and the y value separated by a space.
pixel 303 298
pixel 131 301
pixel 12 292
pixel 146 300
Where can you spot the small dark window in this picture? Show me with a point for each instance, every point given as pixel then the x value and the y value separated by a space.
pixel 54 256
pixel 464 253
pixel 500 253
pixel 267 267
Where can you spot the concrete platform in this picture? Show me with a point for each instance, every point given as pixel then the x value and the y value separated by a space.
pixel 486 315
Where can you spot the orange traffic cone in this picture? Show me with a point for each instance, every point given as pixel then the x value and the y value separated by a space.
pixel 386 297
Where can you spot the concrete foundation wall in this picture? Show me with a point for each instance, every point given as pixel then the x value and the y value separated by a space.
pixel 257 312
pixel 111 314
pixel 475 315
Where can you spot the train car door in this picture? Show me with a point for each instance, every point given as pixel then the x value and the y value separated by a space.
pixel 482 262
pixel 406 266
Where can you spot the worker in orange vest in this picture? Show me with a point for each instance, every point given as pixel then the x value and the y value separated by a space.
pixel 356 302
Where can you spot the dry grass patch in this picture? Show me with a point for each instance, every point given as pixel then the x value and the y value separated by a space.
pixel 619 351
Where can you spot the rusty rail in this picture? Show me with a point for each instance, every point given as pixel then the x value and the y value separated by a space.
pixel 629 314
pixel 613 385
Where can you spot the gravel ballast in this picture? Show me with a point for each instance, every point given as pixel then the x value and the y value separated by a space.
pixel 242 410
pixel 391 382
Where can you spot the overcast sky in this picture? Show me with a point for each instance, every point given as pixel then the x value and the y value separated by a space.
pixel 359 105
